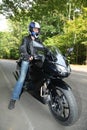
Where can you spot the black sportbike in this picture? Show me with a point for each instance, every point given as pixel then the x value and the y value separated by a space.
pixel 45 79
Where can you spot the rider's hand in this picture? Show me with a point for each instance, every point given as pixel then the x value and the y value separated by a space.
pixel 30 58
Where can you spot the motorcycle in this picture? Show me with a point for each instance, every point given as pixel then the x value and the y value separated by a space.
pixel 45 79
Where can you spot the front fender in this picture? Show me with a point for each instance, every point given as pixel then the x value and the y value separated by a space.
pixel 60 83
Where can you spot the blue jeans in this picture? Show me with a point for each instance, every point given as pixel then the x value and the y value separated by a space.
pixel 19 85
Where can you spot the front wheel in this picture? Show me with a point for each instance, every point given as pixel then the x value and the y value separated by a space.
pixel 63 106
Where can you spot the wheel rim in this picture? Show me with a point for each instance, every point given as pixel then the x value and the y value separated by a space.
pixel 59 105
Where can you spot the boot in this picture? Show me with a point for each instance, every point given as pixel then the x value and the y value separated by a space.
pixel 11 104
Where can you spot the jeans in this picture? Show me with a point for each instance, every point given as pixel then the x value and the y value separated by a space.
pixel 19 85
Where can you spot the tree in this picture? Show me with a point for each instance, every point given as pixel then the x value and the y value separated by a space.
pixel 61 23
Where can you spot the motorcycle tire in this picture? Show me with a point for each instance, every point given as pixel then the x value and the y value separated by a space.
pixel 63 106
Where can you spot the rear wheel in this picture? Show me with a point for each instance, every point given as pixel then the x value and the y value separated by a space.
pixel 63 106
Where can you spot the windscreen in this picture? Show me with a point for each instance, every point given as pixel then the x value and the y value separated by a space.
pixel 38 48
pixel 60 59
pixel 37 45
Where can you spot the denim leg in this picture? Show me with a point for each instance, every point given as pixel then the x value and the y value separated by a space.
pixel 18 87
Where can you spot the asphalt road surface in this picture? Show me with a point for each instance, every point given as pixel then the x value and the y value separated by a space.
pixel 30 114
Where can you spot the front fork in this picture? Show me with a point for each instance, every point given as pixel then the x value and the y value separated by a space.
pixel 44 91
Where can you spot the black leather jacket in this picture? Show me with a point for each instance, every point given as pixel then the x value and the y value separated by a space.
pixel 26 48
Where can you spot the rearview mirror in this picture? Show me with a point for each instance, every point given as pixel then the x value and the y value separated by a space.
pixel 69 50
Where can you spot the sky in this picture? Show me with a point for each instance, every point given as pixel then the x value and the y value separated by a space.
pixel 3 23
pixel 0 1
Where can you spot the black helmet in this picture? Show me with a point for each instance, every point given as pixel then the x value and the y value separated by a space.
pixel 34 25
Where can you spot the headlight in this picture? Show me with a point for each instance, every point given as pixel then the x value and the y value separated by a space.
pixel 63 70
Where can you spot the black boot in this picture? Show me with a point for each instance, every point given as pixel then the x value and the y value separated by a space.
pixel 11 104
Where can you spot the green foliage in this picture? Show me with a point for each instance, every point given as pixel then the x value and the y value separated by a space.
pixel 75 35
pixel 63 24
pixel 10 41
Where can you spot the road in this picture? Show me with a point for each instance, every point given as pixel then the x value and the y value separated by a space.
pixel 29 113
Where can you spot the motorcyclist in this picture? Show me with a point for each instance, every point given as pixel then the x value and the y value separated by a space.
pixel 26 50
